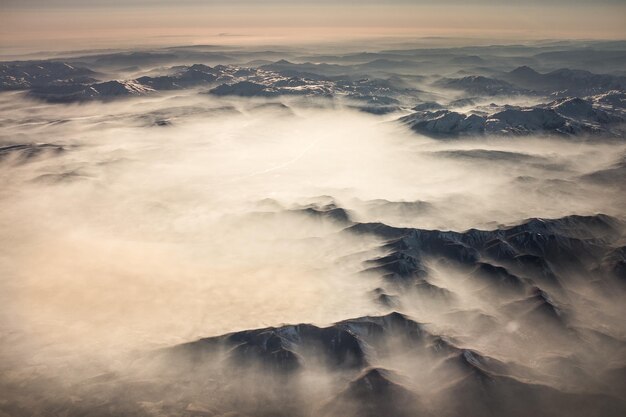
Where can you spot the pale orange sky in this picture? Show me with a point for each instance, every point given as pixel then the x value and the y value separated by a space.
pixel 27 25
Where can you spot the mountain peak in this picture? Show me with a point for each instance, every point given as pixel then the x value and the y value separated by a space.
pixel 524 70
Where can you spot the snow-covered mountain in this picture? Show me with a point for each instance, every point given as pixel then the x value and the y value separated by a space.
pixel 567 116
pixel 68 93
pixel 25 75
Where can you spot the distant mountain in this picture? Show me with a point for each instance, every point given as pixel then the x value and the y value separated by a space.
pixel 468 60
pixel 187 77
pixel 134 58
pixel 306 69
pixel 584 109
pixel 287 87
pixel 28 74
pixel 564 81
pixel 445 123
pixel 67 93
pixel 569 116
pixel 481 86
pixel 593 59
pixel 346 71
pixel 387 65
pixel 527 120
pixel 429 105
pixel 244 89
pixel 374 96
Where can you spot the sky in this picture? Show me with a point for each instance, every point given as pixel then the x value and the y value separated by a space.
pixel 41 24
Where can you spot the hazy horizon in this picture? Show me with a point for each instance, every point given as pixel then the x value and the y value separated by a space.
pixel 37 25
